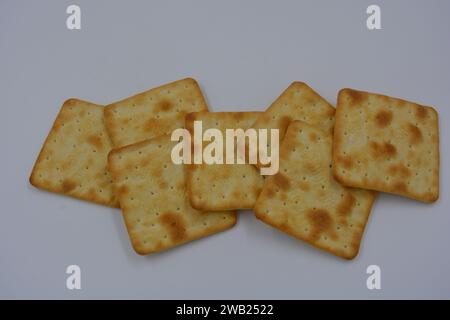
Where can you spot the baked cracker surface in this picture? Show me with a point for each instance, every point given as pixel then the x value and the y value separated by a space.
pixel 223 186
pixel 154 112
pixel 305 201
pixel 152 194
pixel 297 102
pixel 73 159
pixel 386 144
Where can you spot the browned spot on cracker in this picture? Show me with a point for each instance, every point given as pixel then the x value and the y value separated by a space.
pixel 414 133
pixel 57 125
pixel 270 193
pixel 382 150
pixel 189 121
pixel 312 136
pixel 281 181
pixel 357 98
pixel 383 118
pixel 321 222
pixel 399 169
pixel 421 112
pixel 399 187
pixel 164 105
pixel 68 185
pixel 346 161
pixel 174 225
pixel 162 184
pixel 95 141
pixel 331 111
pixel 123 190
pixel 310 167
pixel 346 205
pixel 66 164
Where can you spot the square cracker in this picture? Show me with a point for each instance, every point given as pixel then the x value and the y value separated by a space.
pixel 305 201
pixel 152 194
pixel 297 102
pixel 386 144
pixel 73 159
pixel 154 112
pixel 223 186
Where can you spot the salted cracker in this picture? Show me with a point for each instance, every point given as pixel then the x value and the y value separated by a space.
pixel 297 102
pixel 73 159
pixel 305 201
pixel 223 186
pixel 152 194
pixel 386 144
pixel 154 112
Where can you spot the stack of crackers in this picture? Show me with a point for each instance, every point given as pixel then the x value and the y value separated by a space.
pixel 332 163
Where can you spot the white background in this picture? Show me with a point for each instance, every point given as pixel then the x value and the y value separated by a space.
pixel 243 54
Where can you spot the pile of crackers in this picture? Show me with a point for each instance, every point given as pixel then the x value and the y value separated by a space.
pixel 332 163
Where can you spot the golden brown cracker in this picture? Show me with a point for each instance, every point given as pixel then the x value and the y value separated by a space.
pixel 386 144
pixel 152 194
pixel 297 102
pixel 154 112
pixel 73 159
pixel 305 201
pixel 223 186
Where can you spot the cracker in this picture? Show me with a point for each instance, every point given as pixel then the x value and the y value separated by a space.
pixel 386 144
pixel 154 112
pixel 305 201
pixel 297 102
pixel 152 194
pixel 73 159
pixel 223 186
